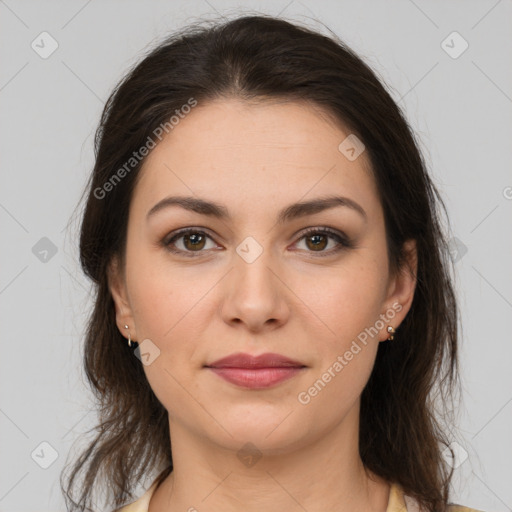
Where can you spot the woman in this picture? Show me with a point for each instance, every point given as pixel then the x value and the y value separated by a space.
pixel 266 244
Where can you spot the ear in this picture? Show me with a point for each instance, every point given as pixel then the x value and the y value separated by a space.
pixel 401 288
pixel 117 287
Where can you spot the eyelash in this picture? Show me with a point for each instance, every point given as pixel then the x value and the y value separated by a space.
pixel 343 242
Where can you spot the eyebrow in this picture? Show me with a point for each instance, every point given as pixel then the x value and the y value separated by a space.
pixel 291 212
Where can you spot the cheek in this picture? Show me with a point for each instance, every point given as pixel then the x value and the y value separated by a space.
pixel 345 307
pixel 163 296
pixel 333 392
pixel 152 302
pixel 349 309
pixel 345 301
pixel 168 306
pixel 172 307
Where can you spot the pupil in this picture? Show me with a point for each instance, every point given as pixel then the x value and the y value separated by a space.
pixel 316 240
pixel 194 239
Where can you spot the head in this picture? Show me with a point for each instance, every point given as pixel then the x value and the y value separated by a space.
pixel 312 227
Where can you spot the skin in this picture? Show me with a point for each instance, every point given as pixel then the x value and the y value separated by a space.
pixel 256 159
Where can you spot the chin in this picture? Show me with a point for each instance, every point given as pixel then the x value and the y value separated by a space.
pixel 273 434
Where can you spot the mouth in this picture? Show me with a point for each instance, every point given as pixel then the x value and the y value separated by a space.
pixel 256 372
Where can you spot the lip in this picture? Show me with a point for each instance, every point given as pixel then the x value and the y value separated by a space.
pixel 255 372
pixel 267 360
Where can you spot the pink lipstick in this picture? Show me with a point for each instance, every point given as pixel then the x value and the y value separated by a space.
pixel 256 372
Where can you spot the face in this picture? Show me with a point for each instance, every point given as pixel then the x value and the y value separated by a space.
pixel 312 286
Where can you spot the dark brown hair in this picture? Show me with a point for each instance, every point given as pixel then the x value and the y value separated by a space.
pixel 411 389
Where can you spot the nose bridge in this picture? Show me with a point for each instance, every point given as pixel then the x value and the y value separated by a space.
pixel 255 292
pixel 253 262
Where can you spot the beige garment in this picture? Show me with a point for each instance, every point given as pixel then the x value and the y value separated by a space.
pixel 398 502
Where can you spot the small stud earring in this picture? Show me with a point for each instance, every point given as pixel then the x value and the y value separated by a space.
pixel 391 333
pixel 129 337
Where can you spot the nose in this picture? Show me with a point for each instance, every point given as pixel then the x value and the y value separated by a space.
pixel 255 294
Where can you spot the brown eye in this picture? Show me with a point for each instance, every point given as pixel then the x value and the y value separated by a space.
pixel 317 240
pixel 187 242
pixel 194 241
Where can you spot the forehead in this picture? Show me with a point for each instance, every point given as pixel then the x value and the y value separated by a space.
pixel 250 154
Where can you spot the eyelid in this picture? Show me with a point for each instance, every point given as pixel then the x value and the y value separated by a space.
pixel 333 233
pixel 343 241
pixel 175 235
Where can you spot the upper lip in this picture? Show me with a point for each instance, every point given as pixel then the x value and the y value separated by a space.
pixel 267 360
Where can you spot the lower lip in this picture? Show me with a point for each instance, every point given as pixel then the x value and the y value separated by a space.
pixel 259 378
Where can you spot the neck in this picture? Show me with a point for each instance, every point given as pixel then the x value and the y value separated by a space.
pixel 314 477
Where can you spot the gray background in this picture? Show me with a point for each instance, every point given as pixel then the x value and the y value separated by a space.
pixel 459 107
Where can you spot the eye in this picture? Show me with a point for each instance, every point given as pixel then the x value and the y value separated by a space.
pixel 316 239
pixel 193 240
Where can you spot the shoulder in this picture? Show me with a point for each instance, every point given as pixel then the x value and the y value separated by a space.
pixel 401 502
pixel 461 508
pixel 142 504
pixel 398 502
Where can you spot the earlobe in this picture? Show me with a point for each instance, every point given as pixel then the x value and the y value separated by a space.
pixel 117 287
pixel 401 288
